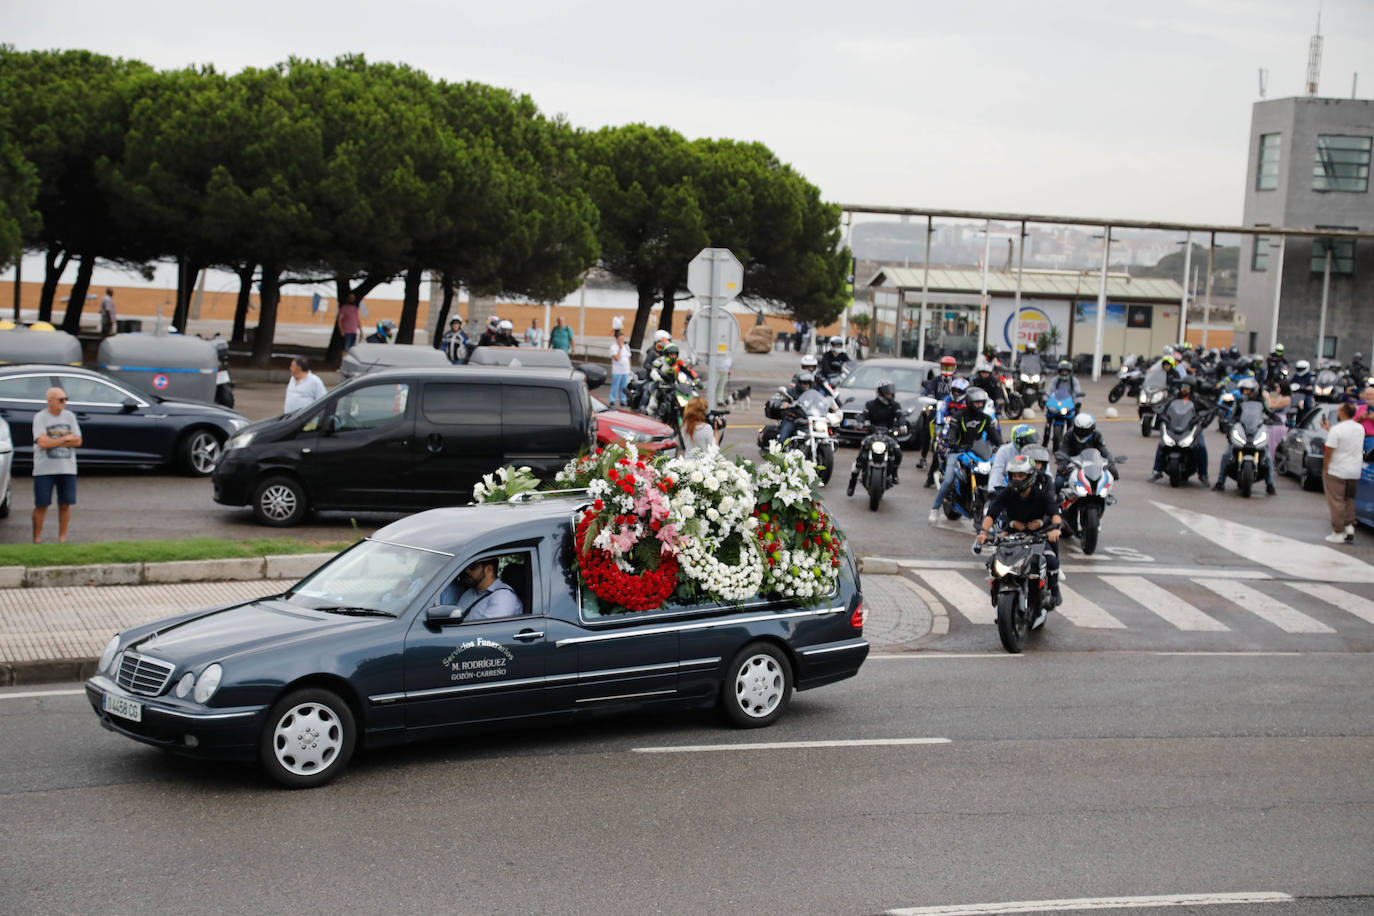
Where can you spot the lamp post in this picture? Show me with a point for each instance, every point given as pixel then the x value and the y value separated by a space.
pixel 1183 306
pixel 925 294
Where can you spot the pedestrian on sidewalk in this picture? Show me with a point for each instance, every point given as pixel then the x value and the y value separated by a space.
pixel 534 335
pixel 305 387
pixel 56 436
pixel 561 337
pixel 1341 465
pixel 107 313
pixel 620 368
pixel 349 321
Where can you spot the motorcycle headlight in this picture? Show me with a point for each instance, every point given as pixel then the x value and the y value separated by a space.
pixel 108 655
pixel 208 682
pixel 983 467
pixel 1227 398
pixel 1001 569
pixel 1167 439
pixel 242 440
pixel 1064 411
pixel 1144 398
pixel 1035 379
pixel 834 417
pixel 1080 489
pixel 630 435
pixel 1323 390
pixel 1156 397
pixel 1238 435
pixel 879 447
pixel 1188 439
pixel 1025 378
pixel 820 427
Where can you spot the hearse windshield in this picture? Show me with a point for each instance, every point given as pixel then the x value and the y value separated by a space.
pixel 370 578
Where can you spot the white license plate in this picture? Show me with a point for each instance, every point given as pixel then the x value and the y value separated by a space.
pixel 125 709
pixel 222 377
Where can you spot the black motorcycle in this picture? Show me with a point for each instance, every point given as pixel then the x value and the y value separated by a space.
pixel 1128 380
pixel 1030 381
pixel 1153 392
pixel 1018 581
pixel 1182 425
pixel 876 464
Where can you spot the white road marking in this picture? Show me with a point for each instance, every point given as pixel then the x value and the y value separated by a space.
pixel 1081 612
pixel 962 595
pixel 907 656
pixel 1180 571
pixel 1094 903
pixel 41 693
pixel 1288 619
pixel 1164 603
pixel 1299 559
pixel 1362 608
pixel 786 745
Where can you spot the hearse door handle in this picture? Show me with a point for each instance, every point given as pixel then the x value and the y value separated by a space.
pixel 529 635
pixel 435 443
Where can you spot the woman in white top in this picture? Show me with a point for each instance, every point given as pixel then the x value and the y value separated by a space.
pixel 695 430
pixel 620 368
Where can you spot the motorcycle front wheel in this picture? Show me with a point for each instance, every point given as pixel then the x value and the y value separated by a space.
pixel 1014 407
pixel 1117 391
pixel 1088 522
pixel 825 459
pixel 877 481
pixel 1011 623
pixel 1147 426
pixel 1175 471
pixel 1245 479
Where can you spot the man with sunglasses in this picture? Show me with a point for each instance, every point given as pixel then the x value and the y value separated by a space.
pixel 56 436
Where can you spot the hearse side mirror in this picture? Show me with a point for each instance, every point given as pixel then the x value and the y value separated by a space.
pixel 440 615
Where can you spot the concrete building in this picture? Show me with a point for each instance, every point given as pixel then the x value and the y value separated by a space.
pixel 1309 167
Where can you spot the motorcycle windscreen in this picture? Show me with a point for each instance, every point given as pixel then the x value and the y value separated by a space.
pixel 1090 460
pixel 983 449
pixel 1251 417
pixel 1157 377
pixel 1180 415
pixel 813 403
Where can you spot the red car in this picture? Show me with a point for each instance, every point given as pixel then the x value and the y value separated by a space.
pixel 615 425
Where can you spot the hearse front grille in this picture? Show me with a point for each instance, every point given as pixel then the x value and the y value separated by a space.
pixel 143 674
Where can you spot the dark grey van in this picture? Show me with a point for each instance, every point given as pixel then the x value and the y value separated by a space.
pixel 405 440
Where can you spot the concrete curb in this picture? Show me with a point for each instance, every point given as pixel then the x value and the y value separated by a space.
pixel 878 566
pixel 281 566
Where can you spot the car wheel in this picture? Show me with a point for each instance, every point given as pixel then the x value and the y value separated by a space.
pixel 758 686
pixel 307 739
pixel 1311 482
pixel 280 502
pixel 200 451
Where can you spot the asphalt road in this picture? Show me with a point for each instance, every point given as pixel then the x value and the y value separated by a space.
pixel 1054 775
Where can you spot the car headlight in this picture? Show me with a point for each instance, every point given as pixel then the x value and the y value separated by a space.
pixel 630 435
pixel 208 682
pixel 1001 569
pixel 879 447
pixel 242 440
pixel 236 424
pixel 1238 435
pixel 188 680
pixel 108 655
pixel 983 467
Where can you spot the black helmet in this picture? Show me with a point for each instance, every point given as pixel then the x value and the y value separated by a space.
pixel 804 379
pixel 1021 473
pixel 1233 351
pixel 886 390
pixel 670 350
pixel 1065 367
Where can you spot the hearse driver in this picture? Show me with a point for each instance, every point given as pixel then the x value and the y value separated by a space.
pixel 486 597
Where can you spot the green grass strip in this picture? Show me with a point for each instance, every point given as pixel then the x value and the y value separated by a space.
pixel 157 551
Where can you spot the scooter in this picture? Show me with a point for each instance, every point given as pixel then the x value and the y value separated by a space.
pixel 1060 409
pixel 1128 380
pixel 1018 582
pixel 816 417
pixel 970 492
pixel 1182 425
pixel 1086 495
pixel 1249 444
pixel 876 464
pixel 1154 389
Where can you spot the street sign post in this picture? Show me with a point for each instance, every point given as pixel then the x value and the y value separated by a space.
pixel 715 276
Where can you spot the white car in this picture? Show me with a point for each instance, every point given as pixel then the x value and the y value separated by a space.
pixel 6 465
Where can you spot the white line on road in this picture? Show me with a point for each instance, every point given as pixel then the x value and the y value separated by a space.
pixel 1094 903
pixel 787 745
pixel 1096 567
pixel 1288 619
pixel 1164 603
pixel 961 594
pixel 1083 613
pixel 1362 608
pixel 905 656
pixel 41 693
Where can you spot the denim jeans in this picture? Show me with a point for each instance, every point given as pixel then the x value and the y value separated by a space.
pixel 618 383
pixel 951 471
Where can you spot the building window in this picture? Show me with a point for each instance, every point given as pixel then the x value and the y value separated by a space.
pixel 1342 254
pixel 1267 176
pixel 1328 348
pixel 1342 163
pixel 1260 259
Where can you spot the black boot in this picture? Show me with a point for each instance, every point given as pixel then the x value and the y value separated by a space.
pixel 853 479
pixel 1221 484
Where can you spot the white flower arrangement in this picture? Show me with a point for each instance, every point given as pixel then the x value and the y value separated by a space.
pixel 786 477
pixel 505 483
pixel 711 506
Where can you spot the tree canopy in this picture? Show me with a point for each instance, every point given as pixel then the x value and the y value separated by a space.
pixel 361 172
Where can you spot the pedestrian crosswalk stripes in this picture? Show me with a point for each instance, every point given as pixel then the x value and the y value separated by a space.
pixel 1288 619
pixel 1201 604
pixel 1164 603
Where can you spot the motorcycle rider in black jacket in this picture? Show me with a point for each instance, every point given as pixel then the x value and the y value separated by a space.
pixel 972 424
pixel 1026 503
pixel 1085 435
pixel 882 411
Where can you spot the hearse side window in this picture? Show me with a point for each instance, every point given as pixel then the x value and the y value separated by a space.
pixel 515 568
pixel 372 407
pixel 447 404
pixel 535 418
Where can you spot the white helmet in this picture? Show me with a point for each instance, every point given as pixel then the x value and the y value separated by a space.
pixel 1303 366
pixel 662 335
pixel 506 325
pixel 837 342
pixel 808 362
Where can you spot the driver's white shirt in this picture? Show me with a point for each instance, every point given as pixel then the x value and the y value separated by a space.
pixel 497 600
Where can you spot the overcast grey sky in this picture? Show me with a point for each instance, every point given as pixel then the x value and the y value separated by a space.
pixel 1073 107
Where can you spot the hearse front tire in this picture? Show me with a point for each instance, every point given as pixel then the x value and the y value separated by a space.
pixel 758 686
pixel 308 738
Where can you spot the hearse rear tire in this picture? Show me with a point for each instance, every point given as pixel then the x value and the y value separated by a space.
pixel 758 686
pixel 308 738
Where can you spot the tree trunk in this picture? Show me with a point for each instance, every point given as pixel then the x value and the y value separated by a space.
pixel 54 263
pixel 71 322
pixel 441 324
pixel 410 305
pixel 187 271
pixel 647 298
pixel 240 332
pixel 267 316
pixel 665 317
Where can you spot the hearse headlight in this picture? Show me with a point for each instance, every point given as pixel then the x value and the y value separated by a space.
pixel 107 657
pixel 188 680
pixel 208 682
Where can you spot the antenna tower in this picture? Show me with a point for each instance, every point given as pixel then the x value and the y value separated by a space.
pixel 1314 58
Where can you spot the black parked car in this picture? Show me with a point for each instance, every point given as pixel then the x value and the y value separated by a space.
pixel 374 648
pixel 1300 451
pixel 406 439
pixel 861 385
pixel 121 425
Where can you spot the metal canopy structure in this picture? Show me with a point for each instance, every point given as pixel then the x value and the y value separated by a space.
pixel 1045 284
pixel 1107 224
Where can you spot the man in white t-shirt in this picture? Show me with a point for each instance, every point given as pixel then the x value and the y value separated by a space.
pixel 305 387
pixel 56 435
pixel 1342 459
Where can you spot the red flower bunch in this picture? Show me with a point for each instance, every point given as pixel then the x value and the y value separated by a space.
pixel 632 591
